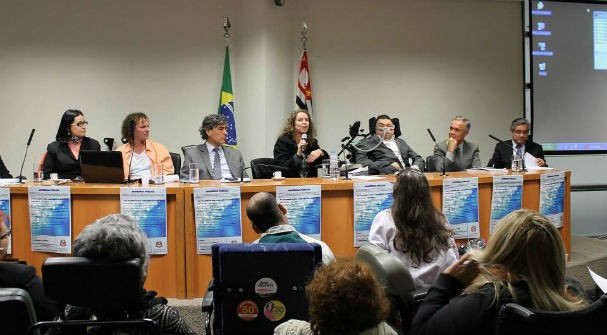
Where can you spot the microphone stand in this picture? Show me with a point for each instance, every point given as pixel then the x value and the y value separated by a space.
pixel 513 151
pixel 444 169
pixel 27 146
pixel 242 173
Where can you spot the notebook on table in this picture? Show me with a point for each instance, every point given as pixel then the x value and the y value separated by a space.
pixel 101 166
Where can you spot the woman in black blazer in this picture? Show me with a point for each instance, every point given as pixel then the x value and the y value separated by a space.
pixel 63 155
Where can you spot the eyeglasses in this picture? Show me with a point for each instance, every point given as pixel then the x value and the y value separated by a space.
pixel 80 124
pixel 521 132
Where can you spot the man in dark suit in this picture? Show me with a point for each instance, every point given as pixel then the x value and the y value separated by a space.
pixel 520 143
pixel 455 153
pixel 213 159
pixel 385 154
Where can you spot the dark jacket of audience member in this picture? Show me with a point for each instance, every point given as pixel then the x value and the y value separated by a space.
pixel 3 170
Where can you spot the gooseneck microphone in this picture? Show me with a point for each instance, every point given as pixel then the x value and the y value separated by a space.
pixel 29 141
pixel 132 141
pixel 510 147
pixel 242 173
pixel 443 170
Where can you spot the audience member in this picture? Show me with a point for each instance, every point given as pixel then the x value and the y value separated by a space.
pixel 291 150
pixel 384 153
pixel 139 153
pixel 117 237
pixel 524 262
pixel 414 230
pixel 214 159
pixel 455 153
pixel 343 298
pixel 18 275
pixel 520 143
pixel 62 156
pixel 4 173
pixel 268 218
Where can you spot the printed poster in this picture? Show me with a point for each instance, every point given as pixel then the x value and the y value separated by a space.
pixel 148 206
pixel 5 206
pixel 552 196
pixel 217 216
pixel 369 199
pixel 50 218
pixel 303 207
pixel 507 197
pixel 460 206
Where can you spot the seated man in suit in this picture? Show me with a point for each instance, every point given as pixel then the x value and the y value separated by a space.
pixel 455 153
pixel 213 159
pixel 520 143
pixel 268 219
pixel 385 154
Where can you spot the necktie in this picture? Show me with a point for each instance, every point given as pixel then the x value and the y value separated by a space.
pixel 217 165
pixel 519 150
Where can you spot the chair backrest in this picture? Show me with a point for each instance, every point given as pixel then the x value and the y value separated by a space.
pixel 263 282
pixel 395 120
pixel 84 282
pixel 176 158
pixel 430 164
pixel 516 319
pixel 17 312
pixel 263 168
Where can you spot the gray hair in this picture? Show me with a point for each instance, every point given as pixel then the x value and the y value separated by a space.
pixel 115 237
pixel 462 119
pixel 519 121
pixel 211 121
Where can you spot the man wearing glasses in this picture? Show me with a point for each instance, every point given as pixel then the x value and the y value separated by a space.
pixel 520 144
pixel 384 153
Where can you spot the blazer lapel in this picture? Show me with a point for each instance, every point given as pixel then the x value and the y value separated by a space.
pixel 204 153
pixel 227 151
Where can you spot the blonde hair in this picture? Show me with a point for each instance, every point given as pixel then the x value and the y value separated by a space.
pixel 530 248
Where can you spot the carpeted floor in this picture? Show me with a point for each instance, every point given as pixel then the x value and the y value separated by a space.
pixel 585 252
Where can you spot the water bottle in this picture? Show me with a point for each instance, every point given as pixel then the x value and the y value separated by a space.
pixel 333 166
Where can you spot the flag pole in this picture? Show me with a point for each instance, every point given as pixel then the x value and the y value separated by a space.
pixel 304 39
pixel 226 28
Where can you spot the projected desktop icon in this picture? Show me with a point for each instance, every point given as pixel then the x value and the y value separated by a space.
pixel 540 5
pixel 541 46
pixel 541 26
pixel 542 66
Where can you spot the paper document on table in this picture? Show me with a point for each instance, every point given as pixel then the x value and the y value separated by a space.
pixel 531 163
pixel 598 280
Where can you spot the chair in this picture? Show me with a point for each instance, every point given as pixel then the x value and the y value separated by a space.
pixel 399 287
pixel 113 287
pixel 263 168
pixel 430 164
pixel 516 319
pixel 17 312
pixel 176 158
pixel 396 121
pixel 263 282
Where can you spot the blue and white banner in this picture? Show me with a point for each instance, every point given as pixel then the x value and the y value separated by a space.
pixel 369 199
pixel 507 197
pixel 5 207
pixel 148 206
pixel 217 216
pixel 552 196
pixel 50 218
pixel 460 206
pixel 303 204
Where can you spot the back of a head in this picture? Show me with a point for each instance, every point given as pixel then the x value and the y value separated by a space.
pixel 345 298
pixel 115 237
pixel 529 246
pixel 263 211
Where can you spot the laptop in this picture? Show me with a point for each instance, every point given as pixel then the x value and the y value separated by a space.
pixel 101 166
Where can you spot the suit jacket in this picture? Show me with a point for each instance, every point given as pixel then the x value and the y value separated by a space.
pixel 24 276
pixel 467 158
pixel 59 158
pixel 379 159
pixel 3 170
pixel 285 154
pixel 502 155
pixel 200 155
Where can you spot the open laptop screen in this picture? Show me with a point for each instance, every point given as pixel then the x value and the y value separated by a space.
pixel 101 166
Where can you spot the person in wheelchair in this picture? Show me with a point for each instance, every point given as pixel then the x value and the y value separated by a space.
pixel 344 298
pixel 524 263
pixel 269 219
pixel 117 237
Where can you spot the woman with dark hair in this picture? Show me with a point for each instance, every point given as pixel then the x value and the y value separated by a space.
pixel 62 156
pixel 139 153
pixel 414 230
pixel 344 298
pixel 299 155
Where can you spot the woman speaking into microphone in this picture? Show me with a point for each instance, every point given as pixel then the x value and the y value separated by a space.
pixel 297 148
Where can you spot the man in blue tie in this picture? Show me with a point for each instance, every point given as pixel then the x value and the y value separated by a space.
pixel 520 143
pixel 456 153
pixel 214 159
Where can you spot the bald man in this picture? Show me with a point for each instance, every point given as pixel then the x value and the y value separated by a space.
pixel 268 218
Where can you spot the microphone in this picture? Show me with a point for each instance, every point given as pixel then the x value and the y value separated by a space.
pixel 441 150
pixel 132 140
pixel 29 141
pixel 242 173
pixel 431 135
pixel 305 138
pixel 354 128
pixel 500 141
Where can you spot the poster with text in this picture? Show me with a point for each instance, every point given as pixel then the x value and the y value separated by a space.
pixel 460 206
pixel 5 207
pixel 217 216
pixel 507 197
pixel 552 196
pixel 50 218
pixel 303 207
pixel 369 199
pixel 148 206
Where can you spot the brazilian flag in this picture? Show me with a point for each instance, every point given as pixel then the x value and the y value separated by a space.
pixel 226 100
